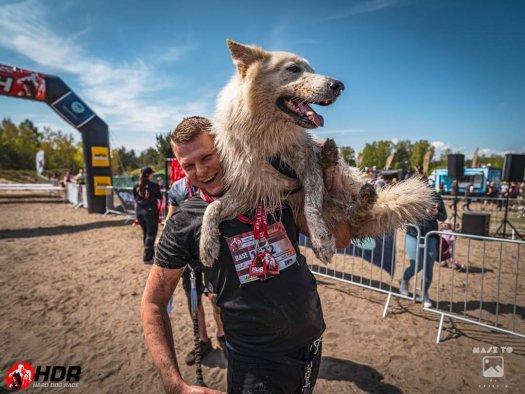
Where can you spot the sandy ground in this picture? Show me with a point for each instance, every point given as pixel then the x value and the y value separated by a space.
pixel 71 287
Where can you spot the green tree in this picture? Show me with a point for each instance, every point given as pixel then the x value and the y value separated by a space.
pixel 376 153
pixel 495 161
pixel 126 160
pixel 348 155
pixel 163 145
pixel 116 164
pixel 403 150
pixel 150 157
pixel 29 126
pixel 61 151
pixel 419 149
pixel 17 145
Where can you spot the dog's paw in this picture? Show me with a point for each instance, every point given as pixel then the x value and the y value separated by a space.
pixel 324 248
pixel 329 154
pixel 209 249
pixel 367 197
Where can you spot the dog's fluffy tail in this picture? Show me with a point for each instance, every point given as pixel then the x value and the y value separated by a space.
pixel 397 205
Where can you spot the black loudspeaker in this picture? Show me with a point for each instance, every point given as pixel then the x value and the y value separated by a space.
pixel 513 168
pixel 476 223
pixel 456 165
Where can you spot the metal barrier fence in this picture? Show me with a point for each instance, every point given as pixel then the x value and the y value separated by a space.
pixel 120 201
pixel 372 265
pixel 489 291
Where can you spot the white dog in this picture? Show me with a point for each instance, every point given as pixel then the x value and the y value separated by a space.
pixel 261 117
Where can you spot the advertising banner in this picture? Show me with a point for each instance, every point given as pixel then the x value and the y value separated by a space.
pixel 380 251
pixel 39 162
pixel 73 110
pixel 100 156
pixel 21 83
pixel 100 184
pixel 125 195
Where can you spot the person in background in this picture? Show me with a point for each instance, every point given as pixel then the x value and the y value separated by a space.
pixel 438 212
pixel 502 195
pixel 490 193
pixel 80 178
pixel 67 177
pixel 146 194
pixel 379 182
pixel 447 248
pixel 469 193
pixel 179 192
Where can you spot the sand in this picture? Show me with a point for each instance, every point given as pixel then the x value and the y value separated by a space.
pixel 71 287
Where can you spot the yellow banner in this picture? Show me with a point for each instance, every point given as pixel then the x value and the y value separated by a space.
pixel 100 183
pixel 99 156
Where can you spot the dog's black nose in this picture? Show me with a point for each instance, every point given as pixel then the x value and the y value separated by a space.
pixel 336 85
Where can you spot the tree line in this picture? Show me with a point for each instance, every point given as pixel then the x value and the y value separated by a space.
pixel 406 155
pixel 19 144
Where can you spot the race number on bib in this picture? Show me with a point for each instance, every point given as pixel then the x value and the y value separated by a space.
pixel 242 248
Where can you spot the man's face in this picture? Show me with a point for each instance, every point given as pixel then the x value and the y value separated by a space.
pixel 200 162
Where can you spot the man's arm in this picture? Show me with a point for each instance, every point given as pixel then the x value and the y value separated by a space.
pixel 160 286
pixel 341 231
pixel 156 324
pixel 171 211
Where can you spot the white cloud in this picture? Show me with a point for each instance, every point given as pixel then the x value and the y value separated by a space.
pixel 324 134
pixel 119 93
pixel 490 152
pixel 440 147
pixel 365 7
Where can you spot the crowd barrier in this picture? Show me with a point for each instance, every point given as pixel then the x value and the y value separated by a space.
pixel 377 264
pixel 489 290
pixel 77 195
pixel 29 186
pixel 120 201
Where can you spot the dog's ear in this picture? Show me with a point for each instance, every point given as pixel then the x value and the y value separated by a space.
pixel 244 55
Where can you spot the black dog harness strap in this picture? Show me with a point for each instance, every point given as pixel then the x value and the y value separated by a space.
pixel 285 170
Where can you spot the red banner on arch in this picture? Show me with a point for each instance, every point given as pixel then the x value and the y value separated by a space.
pixel 22 83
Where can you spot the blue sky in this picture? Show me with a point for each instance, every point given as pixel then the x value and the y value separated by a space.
pixel 451 72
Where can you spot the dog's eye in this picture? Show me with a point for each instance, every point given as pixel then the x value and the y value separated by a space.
pixel 293 68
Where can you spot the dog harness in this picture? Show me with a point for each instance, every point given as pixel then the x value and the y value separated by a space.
pixel 284 169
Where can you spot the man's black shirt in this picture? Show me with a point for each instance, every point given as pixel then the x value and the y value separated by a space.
pixel 276 316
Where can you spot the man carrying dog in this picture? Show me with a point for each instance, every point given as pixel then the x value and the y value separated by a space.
pixel 272 319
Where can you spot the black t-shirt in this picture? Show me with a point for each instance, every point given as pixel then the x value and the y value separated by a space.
pixel 150 197
pixel 277 316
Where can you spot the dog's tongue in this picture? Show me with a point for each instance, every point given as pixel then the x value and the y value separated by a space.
pixel 311 114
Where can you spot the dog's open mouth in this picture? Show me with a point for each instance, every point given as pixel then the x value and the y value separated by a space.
pixel 300 110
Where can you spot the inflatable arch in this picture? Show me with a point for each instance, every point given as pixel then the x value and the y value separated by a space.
pixel 19 83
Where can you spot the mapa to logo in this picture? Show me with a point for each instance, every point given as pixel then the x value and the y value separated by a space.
pixel 20 376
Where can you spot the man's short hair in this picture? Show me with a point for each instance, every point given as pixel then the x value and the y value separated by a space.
pixel 189 129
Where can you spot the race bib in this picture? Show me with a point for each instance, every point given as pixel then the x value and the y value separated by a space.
pixel 242 249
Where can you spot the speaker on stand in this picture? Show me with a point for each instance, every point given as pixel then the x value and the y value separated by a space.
pixel 456 169
pixel 513 169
